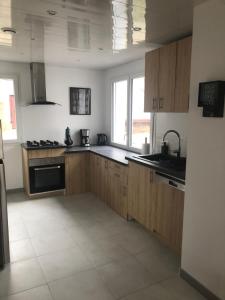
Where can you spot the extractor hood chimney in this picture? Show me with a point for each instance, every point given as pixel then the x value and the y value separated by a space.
pixel 38 84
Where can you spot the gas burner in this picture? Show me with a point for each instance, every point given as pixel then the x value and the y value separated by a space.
pixel 42 144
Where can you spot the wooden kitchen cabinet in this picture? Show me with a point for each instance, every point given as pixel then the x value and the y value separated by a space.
pixel 183 70
pixel 141 193
pixel 118 188
pixel 167 220
pixel 151 80
pixel 167 77
pixel 77 173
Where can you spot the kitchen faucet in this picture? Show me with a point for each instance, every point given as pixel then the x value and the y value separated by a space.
pixel 178 151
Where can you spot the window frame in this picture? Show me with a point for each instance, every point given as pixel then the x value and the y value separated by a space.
pixel 15 79
pixel 128 145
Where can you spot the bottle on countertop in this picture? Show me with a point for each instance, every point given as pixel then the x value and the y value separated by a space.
pixel 165 148
pixel 68 141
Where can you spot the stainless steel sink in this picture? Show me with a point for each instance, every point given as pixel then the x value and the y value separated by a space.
pixel 165 161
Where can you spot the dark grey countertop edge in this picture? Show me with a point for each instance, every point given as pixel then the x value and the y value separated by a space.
pixel 167 172
pixel 125 163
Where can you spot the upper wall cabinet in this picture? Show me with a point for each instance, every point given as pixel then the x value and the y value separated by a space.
pixel 167 77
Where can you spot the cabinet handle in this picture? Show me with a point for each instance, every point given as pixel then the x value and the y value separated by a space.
pixel 161 101
pixel 151 176
pixel 154 103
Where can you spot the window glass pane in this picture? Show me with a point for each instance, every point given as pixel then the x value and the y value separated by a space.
pixel 8 109
pixel 140 119
pixel 120 112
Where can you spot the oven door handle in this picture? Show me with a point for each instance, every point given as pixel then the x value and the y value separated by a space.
pixel 47 168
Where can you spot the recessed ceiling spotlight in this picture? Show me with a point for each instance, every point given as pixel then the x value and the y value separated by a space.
pixel 136 28
pixel 101 49
pixel 8 30
pixel 51 12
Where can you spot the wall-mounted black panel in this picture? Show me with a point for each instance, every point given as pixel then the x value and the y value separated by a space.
pixel 211 98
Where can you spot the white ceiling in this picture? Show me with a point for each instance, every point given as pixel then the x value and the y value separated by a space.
pixel 90 33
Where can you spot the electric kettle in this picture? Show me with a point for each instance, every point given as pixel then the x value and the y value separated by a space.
pixel 102 139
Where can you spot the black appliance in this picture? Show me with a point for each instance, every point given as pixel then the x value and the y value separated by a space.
pixel 211 98
pixel 43 144
pixel 102 139
pixel 85 137
pixel 46 174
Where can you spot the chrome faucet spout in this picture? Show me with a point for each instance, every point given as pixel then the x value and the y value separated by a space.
pixel 179 140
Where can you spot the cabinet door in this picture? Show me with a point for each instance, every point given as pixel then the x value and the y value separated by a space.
pixel 167 72
pixel 77 177
pixel 118 188
pixel 151 80
pixel 104 178
pixel 183 68
pixel 168 216
pixel 140 193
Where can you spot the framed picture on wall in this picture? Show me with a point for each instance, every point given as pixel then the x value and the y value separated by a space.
pixel 80 101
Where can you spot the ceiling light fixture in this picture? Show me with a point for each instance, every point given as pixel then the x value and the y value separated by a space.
pixel 136 28
pixel 8 30
pixel 101 49
pixel 51 12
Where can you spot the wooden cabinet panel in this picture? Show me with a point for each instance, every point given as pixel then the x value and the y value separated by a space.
pixel 167 77
pixel 118 188
pixel 42 153
pixel 183 69
pixel 140 193
pixel 26 180
pixel 77 173
pixel 167 73
pixel 168 216
pixel 151 80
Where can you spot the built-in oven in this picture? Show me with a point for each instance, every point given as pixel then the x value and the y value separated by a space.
pixel 46 174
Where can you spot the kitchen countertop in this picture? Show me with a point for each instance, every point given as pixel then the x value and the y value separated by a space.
pixel 113 153
pixel 179 175
pixel 118 155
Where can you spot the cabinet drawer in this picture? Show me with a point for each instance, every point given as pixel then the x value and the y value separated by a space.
pixel 41 153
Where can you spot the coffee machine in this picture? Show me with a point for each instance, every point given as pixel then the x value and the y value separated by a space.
pixel 85 137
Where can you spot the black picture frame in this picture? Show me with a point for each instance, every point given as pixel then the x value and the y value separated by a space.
pixel 80 101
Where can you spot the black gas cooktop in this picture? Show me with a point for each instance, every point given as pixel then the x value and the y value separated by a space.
pixel 43 144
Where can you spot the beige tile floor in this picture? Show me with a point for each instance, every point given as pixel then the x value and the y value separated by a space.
pixel 76 248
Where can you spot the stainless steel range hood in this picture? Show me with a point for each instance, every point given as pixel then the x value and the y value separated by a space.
pixel 38 84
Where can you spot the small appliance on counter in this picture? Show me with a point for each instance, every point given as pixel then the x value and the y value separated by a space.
pixel 102 139
pixel 85 137
pixel 145 147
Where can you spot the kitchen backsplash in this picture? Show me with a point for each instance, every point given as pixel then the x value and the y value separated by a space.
pixel 175 121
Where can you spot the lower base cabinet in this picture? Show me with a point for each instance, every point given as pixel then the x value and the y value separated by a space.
pixel 108 181
pixel 131 191
pixel 168 216
pixel 157 206
pixel 141 194
pixel 77 173
pixel 117 188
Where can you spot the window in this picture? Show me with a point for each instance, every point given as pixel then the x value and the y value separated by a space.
pixel 130 124
pixel 140 119
pixel 120 112
pixel 8 109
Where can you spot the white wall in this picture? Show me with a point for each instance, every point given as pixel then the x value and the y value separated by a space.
pixel 175 121
pixel 49 122
pixel 164 121
pixel 203 253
